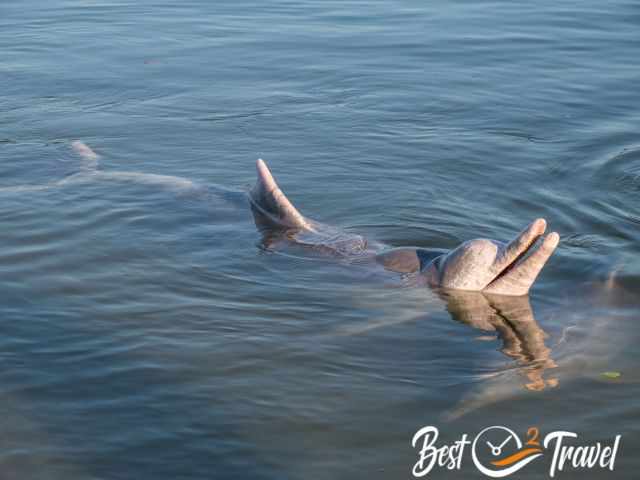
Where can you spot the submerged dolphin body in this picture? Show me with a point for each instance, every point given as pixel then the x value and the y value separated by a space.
pixel 476 265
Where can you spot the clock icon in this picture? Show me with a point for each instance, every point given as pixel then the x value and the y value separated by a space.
pixel 502 452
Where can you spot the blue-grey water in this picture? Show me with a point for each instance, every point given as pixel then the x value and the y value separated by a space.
pixel 145 334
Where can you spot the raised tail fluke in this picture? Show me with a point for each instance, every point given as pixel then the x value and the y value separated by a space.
pixel 269 199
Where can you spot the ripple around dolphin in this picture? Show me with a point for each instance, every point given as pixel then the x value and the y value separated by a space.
pixel 585 243
pixel 622 170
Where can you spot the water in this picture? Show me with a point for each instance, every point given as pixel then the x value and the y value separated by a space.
pixel 144 333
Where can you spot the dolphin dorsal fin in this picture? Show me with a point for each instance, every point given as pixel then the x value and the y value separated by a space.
pixel 267 196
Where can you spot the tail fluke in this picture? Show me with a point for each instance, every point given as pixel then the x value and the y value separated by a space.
pixel 88 156
pixel 269 199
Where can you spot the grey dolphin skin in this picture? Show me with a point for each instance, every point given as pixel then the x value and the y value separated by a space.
pixel 482 265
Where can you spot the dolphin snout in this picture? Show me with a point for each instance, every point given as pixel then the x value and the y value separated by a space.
pixel 522 261
pixel 495 267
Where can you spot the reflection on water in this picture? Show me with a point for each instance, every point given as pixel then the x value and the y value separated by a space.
pixel 512 318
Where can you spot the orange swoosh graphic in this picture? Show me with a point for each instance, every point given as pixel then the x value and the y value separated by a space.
pixel 515 457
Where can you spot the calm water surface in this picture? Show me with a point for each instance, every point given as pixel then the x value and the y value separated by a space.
pixel 144 333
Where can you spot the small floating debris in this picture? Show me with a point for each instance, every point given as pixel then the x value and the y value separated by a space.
pixel 611 375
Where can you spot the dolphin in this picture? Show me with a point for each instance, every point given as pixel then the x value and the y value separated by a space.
pixel 478 265
pixel 91 171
